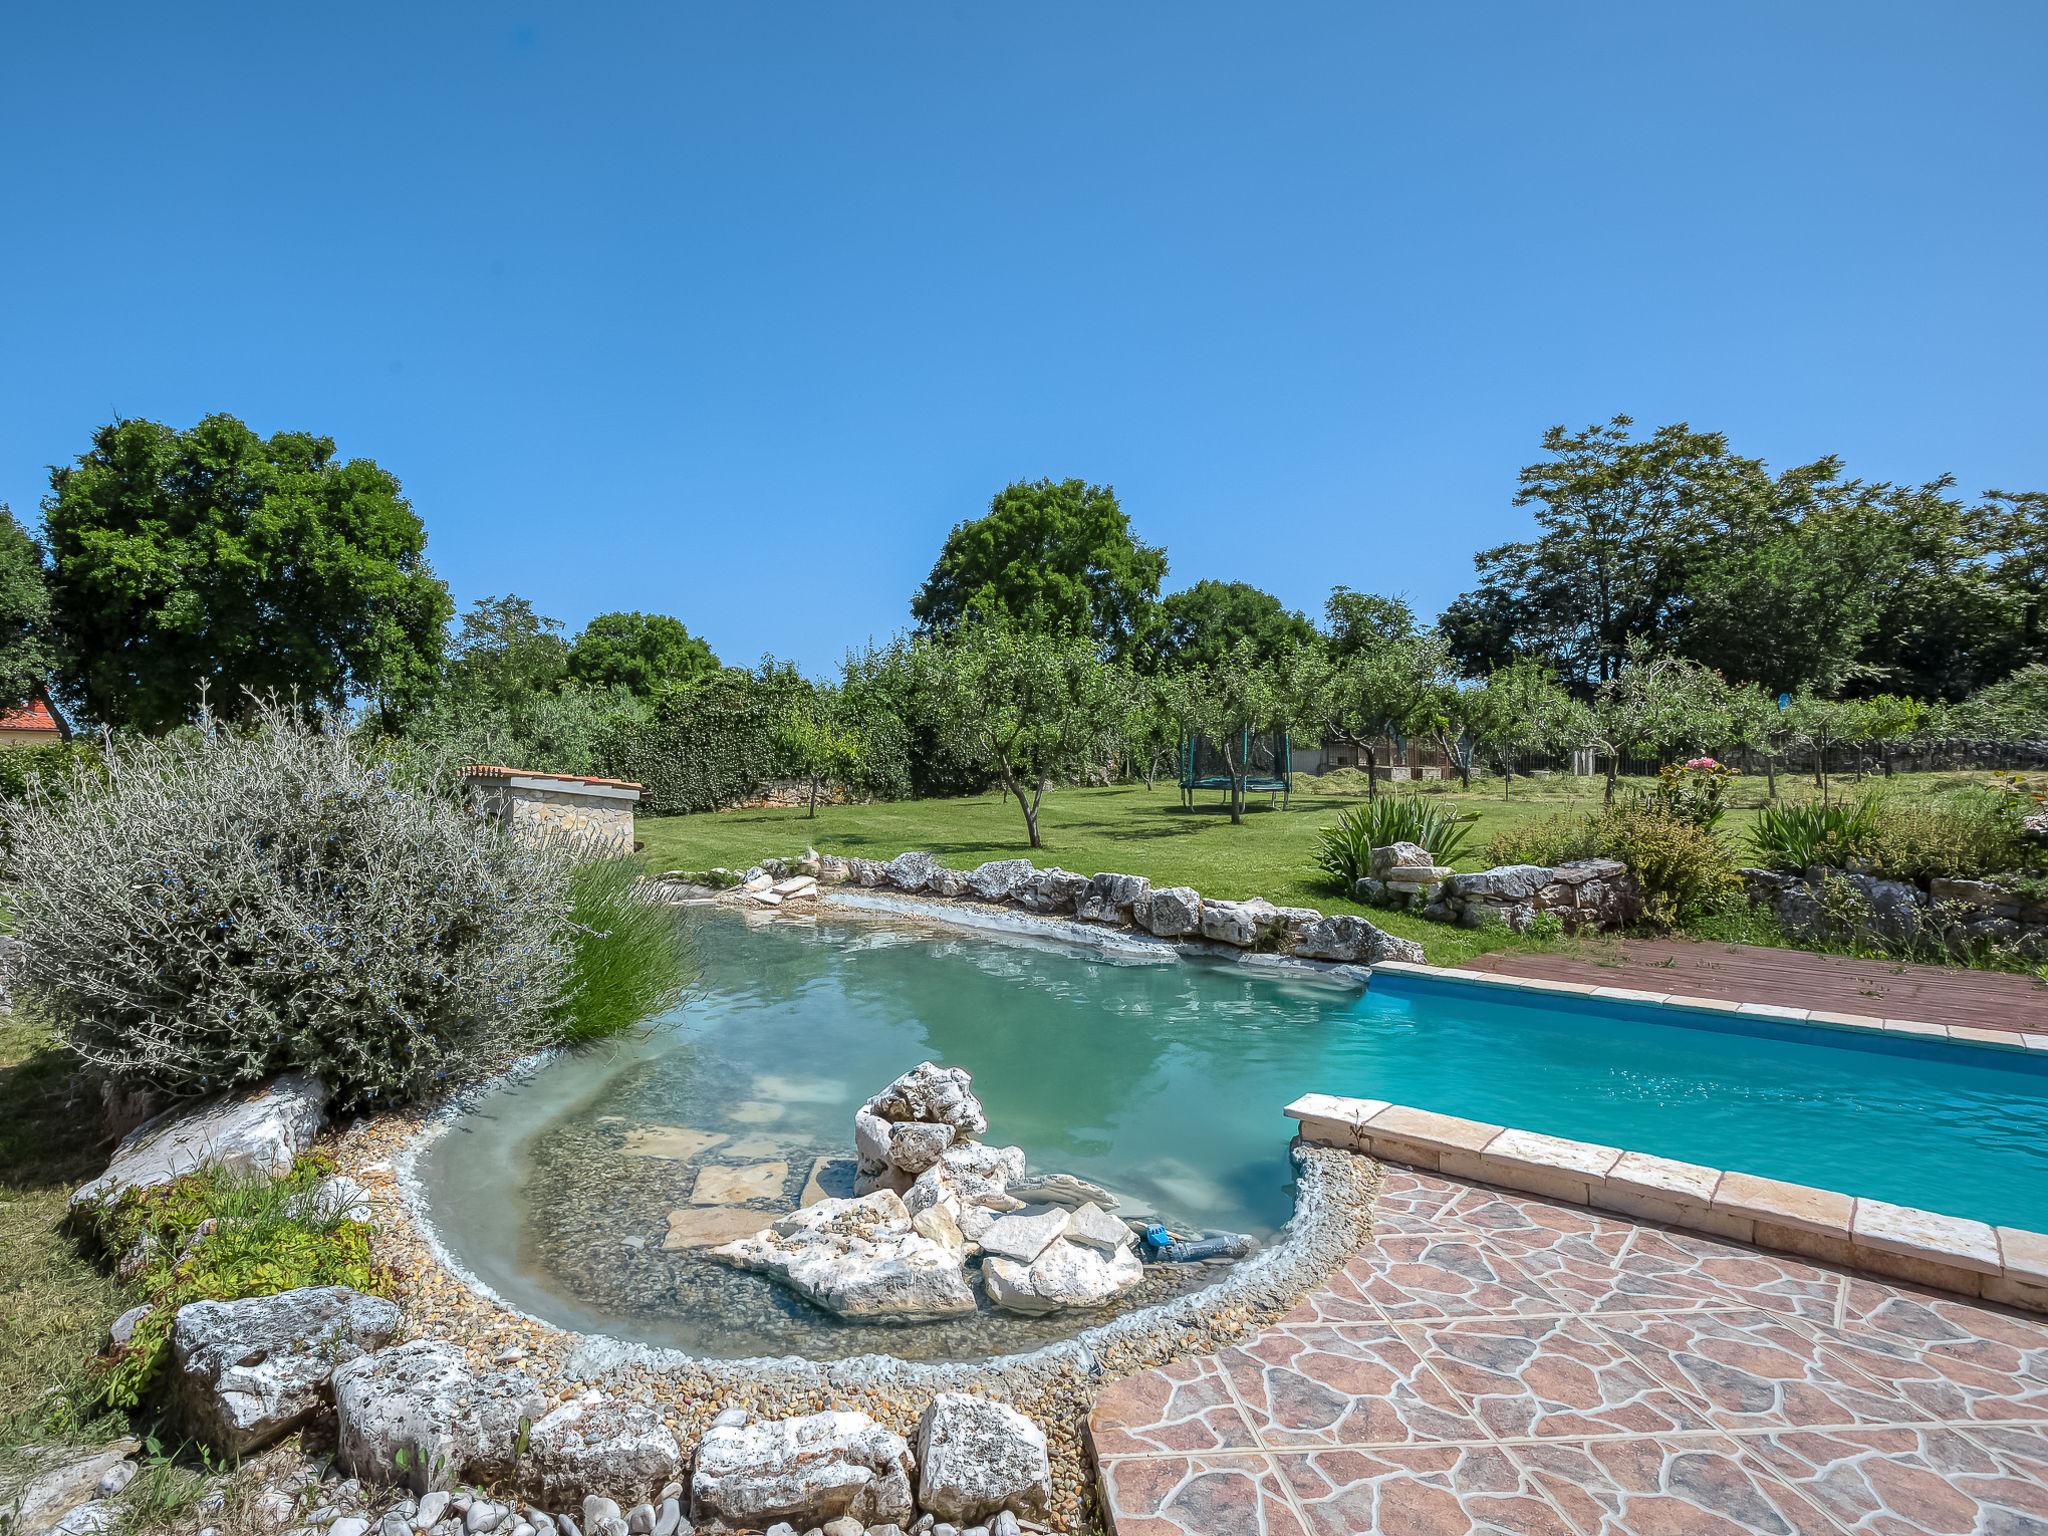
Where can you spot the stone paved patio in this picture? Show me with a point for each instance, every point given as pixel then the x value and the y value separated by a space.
pixel 1495 1362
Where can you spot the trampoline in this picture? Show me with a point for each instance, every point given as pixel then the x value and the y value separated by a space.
pixel 1268 766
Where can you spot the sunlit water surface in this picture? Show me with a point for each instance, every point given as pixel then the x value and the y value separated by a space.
pixel 1164 1082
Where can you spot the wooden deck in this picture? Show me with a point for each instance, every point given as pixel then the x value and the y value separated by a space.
pixel 1745 973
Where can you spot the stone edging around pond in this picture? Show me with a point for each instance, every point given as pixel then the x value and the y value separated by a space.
pixel 1172 916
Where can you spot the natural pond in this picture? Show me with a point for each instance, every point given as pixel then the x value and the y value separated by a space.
pixel 1162 1081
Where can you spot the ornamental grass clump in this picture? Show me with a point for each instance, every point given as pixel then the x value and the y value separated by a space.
pixel 231 903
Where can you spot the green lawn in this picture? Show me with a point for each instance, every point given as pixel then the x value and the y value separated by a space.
pixel 1147 832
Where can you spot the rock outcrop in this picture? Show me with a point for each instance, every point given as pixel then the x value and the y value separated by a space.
pixel 862 1257
pixel 1112 898
pixel 245 1372
pixel 976 1457
pixel 1067 1276
pixel 417 1414
pixel 1581 894
pixel 257 1133
pixel 599 1445
pixel 997 880
pixel 807 1471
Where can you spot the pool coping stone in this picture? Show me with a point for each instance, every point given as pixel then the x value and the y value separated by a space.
pixel 1955 1253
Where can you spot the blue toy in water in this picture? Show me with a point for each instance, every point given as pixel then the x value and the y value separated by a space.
pixel 1164 1248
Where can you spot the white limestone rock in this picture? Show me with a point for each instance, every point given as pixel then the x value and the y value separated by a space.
pixel 1024 1237
pixel 1092 1225
pixel 858 1258
pixel 911 871
pixel 48 1485
pixel 257 1133
pixel 1392 856
pixel 245 1372
pixel 995 880
pixel 1049 890
pixel 949 882
pixel 598 1445
pixel 1245 924
pixel 976 1457
pixel 972 1173
pixel 1111 898
pixel 1065 1277
pixel 1061 1189
pixel 823 1466
pixel 933 1095
pixel 416 1414
pixel 1172 912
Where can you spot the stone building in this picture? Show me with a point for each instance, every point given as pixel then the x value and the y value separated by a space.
pixel 565 802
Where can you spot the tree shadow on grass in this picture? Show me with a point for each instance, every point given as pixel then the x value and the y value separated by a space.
pixel 48 1120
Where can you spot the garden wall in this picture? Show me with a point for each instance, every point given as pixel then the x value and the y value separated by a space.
pixel 1956 919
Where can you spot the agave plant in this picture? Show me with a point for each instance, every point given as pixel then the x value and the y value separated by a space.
pixel 1344 852
pixel 1797 837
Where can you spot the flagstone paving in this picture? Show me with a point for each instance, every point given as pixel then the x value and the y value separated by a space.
pixel 1494 1362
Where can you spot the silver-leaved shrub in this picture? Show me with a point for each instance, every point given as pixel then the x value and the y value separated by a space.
pixel 226 903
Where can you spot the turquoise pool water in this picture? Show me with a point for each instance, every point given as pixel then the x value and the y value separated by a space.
pixel 1164 1082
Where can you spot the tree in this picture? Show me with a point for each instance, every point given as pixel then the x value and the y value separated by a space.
pixel 2013 709
pixel 1518 712
pixel 1052 556
pixel 818 743
pixel 1617 516
pixel 1153 724
pixel 2013 525
pixel 249 565
pixel 1034 707
pixel 1241 694
pixel 1370 694
pixel 1198 627
pixel 25 653
pixel 1654 703
pixel 1362 621
pixel 1822 725
pixel 643 652
pixel 505 654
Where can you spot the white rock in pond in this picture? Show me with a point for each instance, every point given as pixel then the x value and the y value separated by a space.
pixel 257 1133
pixel 595 1444
pixel 1171 912
pixel 245 1372
pixel 1066 1276
pixel 995 880
pixel 805 1470
pixel 911 871
pixel 1092 1225
pixel 972 1173
pixel 914 1147
pixel 976 1457
pixel 417 1415
pixel 1061 1189
pixel 858 1258
pixel 1024 1237
pixel 932 1095
pixel 1110 898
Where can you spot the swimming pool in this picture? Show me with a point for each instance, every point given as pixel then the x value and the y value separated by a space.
pixel 1163 1080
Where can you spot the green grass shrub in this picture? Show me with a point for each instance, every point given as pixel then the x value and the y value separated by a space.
pixel 631 958
pixel 1683 868
pixel 229 904
pixel 218 1236
pixel 1967 835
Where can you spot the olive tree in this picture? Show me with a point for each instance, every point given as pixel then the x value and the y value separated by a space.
pixel 1242 693
pixel 1033 708
pixel 819 744
pixel 1521 710
pixel 1653 703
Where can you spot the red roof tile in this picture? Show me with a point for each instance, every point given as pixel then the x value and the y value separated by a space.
pixel 35 715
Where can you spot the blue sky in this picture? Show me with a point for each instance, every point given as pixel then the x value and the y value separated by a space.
pixel 732 312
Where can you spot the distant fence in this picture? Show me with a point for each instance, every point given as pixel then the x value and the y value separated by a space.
pixel 1957 756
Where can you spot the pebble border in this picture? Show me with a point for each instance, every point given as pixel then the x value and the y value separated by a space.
pixel 1953 1253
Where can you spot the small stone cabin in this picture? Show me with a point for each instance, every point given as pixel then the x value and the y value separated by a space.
pixel 566 802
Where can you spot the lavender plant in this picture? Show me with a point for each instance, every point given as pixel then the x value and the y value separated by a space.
pixel 225 904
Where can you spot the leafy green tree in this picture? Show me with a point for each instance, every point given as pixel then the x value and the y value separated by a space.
pixel 1654 704
pixel 1823 726
pixel 2014 528
pixel 643 652
pixel 1369 694
pixel 1242 693
pixel 1363 621
pixel 2015 708
pixel 1618 516
pixel 1945 624
pixel 1199 627
pixel 1053 556
pixel 218 558
pixel 26 656
pixel 506 654
pixel 1519 712
pixel 1153 723
pixel 1035 708
pixel 816 740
